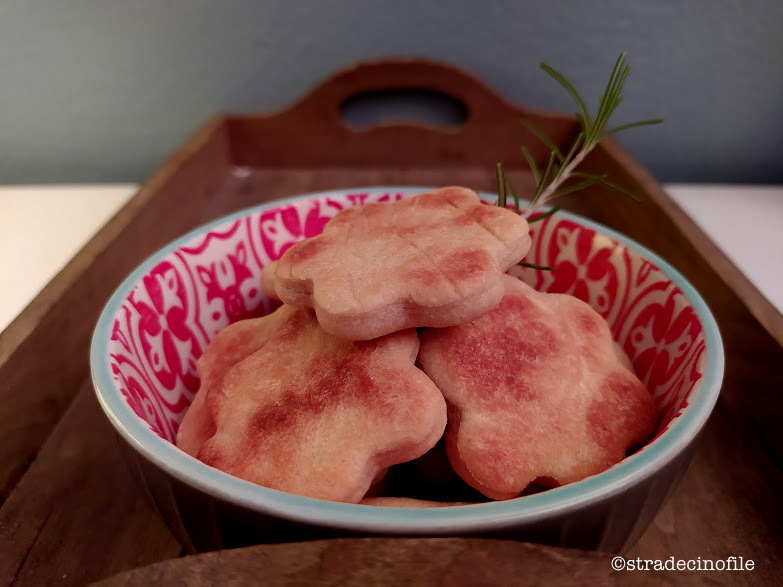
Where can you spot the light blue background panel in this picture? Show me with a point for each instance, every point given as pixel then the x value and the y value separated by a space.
pixel 104 90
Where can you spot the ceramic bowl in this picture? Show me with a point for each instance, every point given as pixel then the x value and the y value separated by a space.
pixel 163 315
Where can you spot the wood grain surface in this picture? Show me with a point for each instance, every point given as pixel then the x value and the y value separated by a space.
pixel 399 561
pixel 70 512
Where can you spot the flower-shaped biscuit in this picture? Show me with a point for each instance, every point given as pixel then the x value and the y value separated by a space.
pixel 231 345
pixel 536 392
pixel 316 415
pixel 435 259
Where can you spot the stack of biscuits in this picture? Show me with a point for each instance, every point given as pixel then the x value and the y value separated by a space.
pixel 399 327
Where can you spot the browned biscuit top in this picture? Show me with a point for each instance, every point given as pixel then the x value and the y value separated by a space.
pixel 435 259
pixel 536 392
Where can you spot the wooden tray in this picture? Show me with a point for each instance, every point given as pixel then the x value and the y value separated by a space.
pixel 70 512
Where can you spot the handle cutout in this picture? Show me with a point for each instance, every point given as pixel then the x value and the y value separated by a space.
pixel 410 105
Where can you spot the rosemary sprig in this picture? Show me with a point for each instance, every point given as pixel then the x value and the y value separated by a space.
pixel 561 167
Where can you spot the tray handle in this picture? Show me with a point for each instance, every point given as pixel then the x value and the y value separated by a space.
pixel 482 105
pixel 305 133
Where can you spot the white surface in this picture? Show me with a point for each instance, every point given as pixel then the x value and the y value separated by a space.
pixel 746 222
pixel 42 227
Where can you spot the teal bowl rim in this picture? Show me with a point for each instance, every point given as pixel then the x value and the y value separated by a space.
pixel 682 430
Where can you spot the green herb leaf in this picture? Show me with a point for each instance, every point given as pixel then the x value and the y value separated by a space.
pixel 571 90
pixel 500 179
pixel 543 215
pixel 534 266
pixel 543 138
pixel 532 163
pixel 575 187
pixel 633 125
pixel 619 189
pixel 510 189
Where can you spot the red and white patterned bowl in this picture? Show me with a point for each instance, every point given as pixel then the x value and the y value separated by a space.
pixel 160 319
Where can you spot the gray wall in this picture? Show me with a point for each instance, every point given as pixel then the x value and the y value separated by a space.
pixel 103 90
